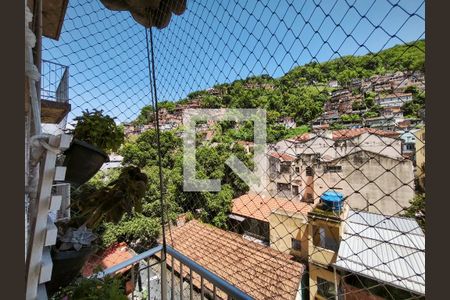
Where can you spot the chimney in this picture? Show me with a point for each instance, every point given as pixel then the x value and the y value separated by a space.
pixel 308 195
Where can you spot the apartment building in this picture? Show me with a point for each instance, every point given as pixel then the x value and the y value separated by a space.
pixel 351 161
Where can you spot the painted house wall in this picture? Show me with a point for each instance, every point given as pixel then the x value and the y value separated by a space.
pixel 420 156
pixel 321 259
pixel 315 272
pixel 283 228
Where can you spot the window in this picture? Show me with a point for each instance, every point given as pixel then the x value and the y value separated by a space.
pixel 285 167
pixel 333 169
pixel 296 244
pixel 297 170
pixel 295 190
pixel 410 146
pixel 283 187
pixel 309 171
pixel 326 237
pixel 325 288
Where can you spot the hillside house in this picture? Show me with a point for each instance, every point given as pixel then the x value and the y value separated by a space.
pixel 330 106
pixel 337 94
pixel 359 176
pixel 409 142
pixel 287 122
pixel 328 117
pixel 382 87
pixel 388 122
pixel 333 84
pixel 392 111
pixel 213 91
pixel 394 100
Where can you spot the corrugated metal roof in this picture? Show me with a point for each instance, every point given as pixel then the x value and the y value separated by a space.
pixel 385 248
pixel 407 225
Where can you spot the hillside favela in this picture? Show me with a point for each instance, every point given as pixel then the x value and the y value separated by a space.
pixel 338 208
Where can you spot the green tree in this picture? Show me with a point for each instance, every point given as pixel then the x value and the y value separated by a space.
pixel 146 116
pixel 144 150
pixel 417 209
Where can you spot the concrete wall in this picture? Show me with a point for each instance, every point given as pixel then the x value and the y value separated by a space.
pixel 283 228
pixel 370 181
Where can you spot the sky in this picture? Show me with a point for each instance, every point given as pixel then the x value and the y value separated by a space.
pixel 216 42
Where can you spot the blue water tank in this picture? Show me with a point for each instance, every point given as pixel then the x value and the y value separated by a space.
pixel 333 200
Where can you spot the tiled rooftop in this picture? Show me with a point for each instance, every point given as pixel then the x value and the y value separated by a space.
pixel 282 156
pixel 112 256
pixel 260 207
pixel 349 133
pixel 259 271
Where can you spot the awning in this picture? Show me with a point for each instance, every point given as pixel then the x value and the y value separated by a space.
pixel 236 217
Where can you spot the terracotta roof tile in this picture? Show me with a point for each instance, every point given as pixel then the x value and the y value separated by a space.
pixel 303 137
pixel 260 207
pixel 282 156
pixel 349 133
pixel 259 271
pixel 112 256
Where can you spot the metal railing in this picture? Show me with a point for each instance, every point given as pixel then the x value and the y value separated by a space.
pixel 54 81
pixel 194 275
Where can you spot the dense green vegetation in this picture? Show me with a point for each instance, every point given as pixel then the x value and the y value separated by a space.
pixel 299 94
pixel 111 288
pixel 408 57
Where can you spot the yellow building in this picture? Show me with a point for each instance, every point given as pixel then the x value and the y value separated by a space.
pixel 420 157
pixel 324 233
pixel 289 233
pixel 279 222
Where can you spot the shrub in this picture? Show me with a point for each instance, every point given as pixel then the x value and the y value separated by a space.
pixel 93 289
pixel 146 229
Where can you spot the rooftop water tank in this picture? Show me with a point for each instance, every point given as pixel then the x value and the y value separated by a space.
pixel 333 200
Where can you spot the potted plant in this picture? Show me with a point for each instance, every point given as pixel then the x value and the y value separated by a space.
pixel 76 237
pixel 94 137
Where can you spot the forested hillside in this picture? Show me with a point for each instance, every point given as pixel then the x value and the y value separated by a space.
pixel 302 92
